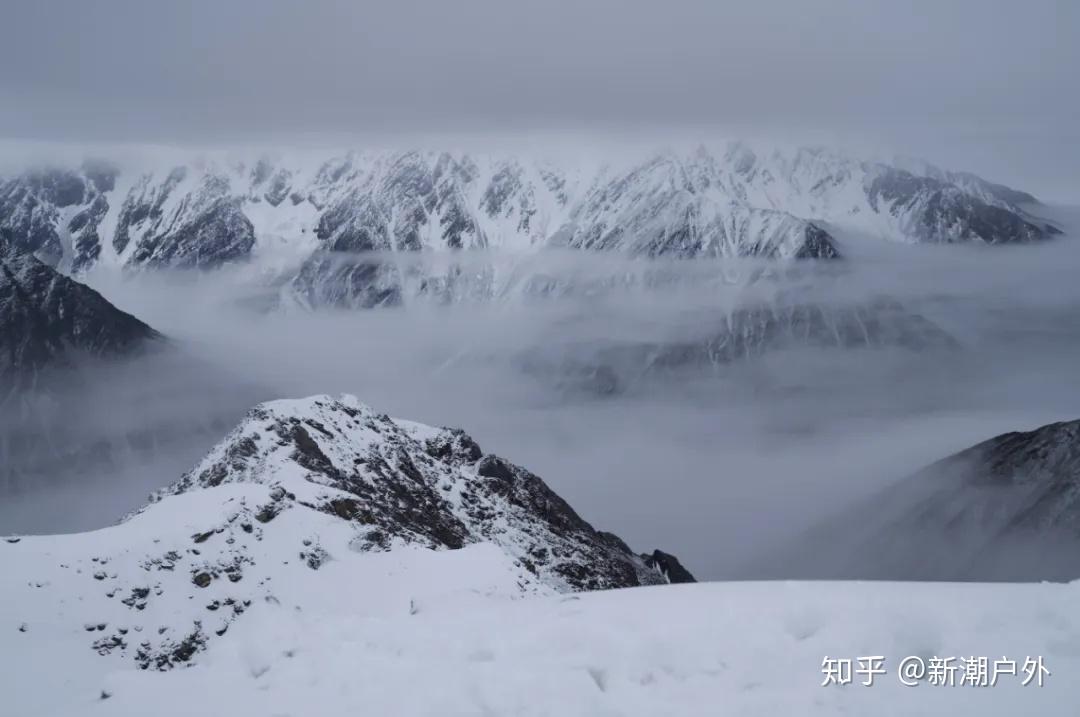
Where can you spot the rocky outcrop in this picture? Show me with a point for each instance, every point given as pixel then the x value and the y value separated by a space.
pixel 297 490
pixel 183 222
pixel 669 566
pixel 55 213
pixel 664 208
pixel 402 482
pixel 933 210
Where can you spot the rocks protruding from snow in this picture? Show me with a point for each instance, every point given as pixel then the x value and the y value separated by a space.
pixel 669 566
pixel 159 588
pixel 666 208
pixel 403 483
pixel 313 503
pixel 55 213
pixel 183 221
pixel 404 203
pixel 48 320
pixel 933 210
pixel 346 281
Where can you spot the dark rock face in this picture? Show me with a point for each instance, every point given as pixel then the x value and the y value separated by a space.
pixel 669 566
pixel 817 244
pixel 413 201
pixel 33 207
pixel 144 204
pixel 407 483
pixel 1005 509
pixel 86 241
pixel 347 281
pixel 508 195
pixel 48 320
pixel 664 207
pixel 204 228
pixel 942 212
pixel 391 211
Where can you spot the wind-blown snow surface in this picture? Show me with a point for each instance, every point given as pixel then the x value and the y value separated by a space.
pixel 465 632
pixel 299 487
pixel 301 568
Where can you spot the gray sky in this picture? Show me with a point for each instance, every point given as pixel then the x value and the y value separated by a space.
pixel 988 85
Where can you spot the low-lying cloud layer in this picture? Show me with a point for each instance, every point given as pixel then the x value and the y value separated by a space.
pixel 718 463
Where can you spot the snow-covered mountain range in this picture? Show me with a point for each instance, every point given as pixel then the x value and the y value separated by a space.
pixel 306 211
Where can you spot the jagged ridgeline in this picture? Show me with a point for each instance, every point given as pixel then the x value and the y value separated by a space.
pixel 329 216
pixel 295 487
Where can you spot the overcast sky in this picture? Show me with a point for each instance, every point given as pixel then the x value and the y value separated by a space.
pixel 987 85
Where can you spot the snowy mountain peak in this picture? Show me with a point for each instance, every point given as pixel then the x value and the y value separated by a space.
pixel 306 493
pixel 404 483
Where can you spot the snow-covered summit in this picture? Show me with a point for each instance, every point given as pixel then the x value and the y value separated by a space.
pixel 401 482
pixel 297 487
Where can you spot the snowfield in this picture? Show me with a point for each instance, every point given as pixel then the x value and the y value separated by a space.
pixel 413 631
pixel 325 559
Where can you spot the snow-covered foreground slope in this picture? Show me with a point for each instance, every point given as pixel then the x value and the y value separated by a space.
pixel 299 487
pixel 736 649
pixel 466 632
pixel 152 592
pixel 326 559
